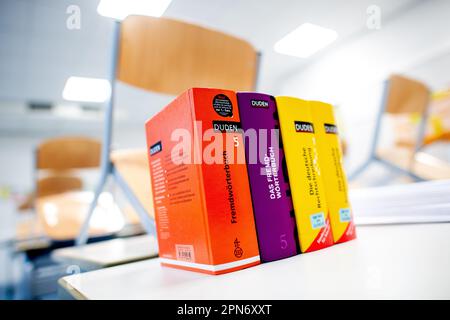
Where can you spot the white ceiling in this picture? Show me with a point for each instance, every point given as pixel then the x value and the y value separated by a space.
pixel 265 22
pixel 38 52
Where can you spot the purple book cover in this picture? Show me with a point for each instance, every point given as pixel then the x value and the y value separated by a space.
pixel 272 204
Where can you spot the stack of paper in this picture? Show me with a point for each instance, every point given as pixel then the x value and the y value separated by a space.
pixel 410 203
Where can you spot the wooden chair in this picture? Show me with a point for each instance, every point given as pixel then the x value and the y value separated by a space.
pixel 166 56
pixel 439 119
pixel 51 185
pixel 60 203
pixel 401 96
pixel 58 157
pixel 56 184
pixel 68 153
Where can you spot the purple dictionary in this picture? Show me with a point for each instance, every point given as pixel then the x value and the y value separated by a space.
pixel 269 184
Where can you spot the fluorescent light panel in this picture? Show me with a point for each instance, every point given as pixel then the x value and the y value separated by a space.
pixel 305 40
pixel 120 9
pixel 87 89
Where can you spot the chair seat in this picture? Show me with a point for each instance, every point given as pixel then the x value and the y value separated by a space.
pixel 428 140
pixel 62 215
pixel 442 137
pixel 422 164
pixel 132 164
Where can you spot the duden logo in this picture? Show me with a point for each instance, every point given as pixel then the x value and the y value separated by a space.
pixel 302 126
pixel 227 126
pixel 154 149
pixel 259 103
pixel 330 128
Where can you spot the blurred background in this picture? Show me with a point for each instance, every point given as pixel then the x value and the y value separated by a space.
pixel 384 65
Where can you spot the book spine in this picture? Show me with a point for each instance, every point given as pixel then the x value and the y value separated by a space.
pixel 176 187
pixel 272 204
pixel 331 163
pixel 308 194
pixel 225 179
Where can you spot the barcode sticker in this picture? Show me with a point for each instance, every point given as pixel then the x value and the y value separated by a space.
pixel 345 215
pixel 317 220
pixel 185 252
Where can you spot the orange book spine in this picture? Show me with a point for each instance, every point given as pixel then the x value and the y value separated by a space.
pixel 225 180
pixel 203 208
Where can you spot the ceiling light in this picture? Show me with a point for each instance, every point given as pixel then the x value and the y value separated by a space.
pixel 305 40
pixel 87 89
pixel 120 9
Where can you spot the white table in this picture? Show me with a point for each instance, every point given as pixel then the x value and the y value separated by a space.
pixel 108 253
pixel 385 262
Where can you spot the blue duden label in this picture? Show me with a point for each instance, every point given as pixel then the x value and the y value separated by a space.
pixel 345 215
pixel 318 220
pixel 154 149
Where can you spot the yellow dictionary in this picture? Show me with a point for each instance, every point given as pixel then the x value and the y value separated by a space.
pixel 330 161
pixel 307 190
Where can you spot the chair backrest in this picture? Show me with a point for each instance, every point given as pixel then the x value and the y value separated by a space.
pixel 57 156
pixel 65 153
pixel 406 95
pixel 170 56
pixel 55 184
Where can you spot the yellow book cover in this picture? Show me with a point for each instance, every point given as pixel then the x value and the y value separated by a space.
pixel 331 163
pixel 305 176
